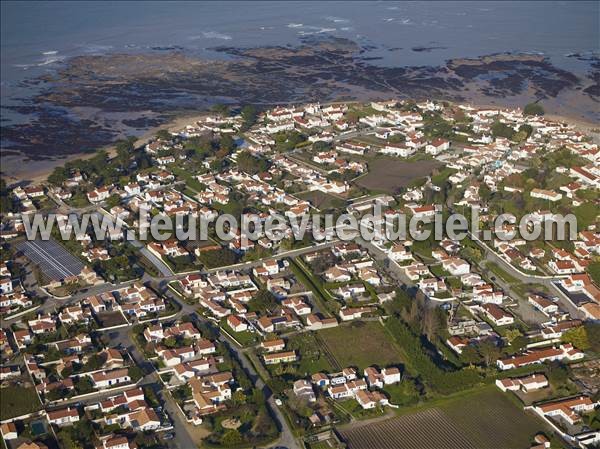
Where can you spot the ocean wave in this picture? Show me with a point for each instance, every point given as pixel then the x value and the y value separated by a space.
pixel 317 31
pixel 49 61
pixel 95 48
pixel 50 52
pixel 399 21
pixel 295 25
pixel 216 35
pixel 50 58
pixel 337 19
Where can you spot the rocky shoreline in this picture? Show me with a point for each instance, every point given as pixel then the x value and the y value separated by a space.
pixel 94 100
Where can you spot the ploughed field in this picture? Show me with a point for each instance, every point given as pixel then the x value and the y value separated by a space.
pixel 482 419
pixel 429 429
pixel 389 174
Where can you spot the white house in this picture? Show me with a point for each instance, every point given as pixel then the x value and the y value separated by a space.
pixel 437 146
pixel 63 417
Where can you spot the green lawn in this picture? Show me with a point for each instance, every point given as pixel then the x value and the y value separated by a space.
pixel 525 289
pixel 17 401
pixel 245 338
pixel 501 273
pixel 361 344
pixel 352 407
pixel 438 271
pixel 190 181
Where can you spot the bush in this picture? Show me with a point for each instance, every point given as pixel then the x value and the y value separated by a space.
pixel 218 258
pixel 135 372
pixel 438 380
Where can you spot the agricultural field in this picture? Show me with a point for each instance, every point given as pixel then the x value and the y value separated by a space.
pixel 389 174
pixel 361 344
pixel 408 432
pixel 497 423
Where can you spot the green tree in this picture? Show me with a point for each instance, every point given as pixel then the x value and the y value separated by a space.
pixel 231 437
pixel 226 143
pixel 124 149
pixel 519 343
pixel 58 176
pixel 84 385
pixel 135 373
pixel 321 145
pixel 527 129
pixel 263 301
pixel 470 355
pixel 489 352
pixel 238 397
pixel 249 116
pixel 484 193
pixel 593 333
pixel 164 134
pixel 593 270
pixel 94 363
pixel 577 337
pixel 533 109
pixel 500 129
pixel 218 258
pixel 557 374
pixel 250 164
pixel 511 334
pixel 112 201
pixel 221 109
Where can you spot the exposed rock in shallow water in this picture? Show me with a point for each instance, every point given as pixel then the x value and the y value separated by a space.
pixel 168 82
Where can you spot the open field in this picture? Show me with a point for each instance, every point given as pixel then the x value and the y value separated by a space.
pixel 110 319
pixel 452 423
pixel 361 344
pixel 387 174
pixel 313 358
pixel 322 200
pixel 18 401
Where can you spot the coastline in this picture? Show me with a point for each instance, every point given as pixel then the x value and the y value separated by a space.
pixel 39 175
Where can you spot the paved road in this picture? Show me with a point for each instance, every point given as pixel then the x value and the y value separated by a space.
pixel 493 256
pixel 286 439
pixel 161 266
pixel 51 303
pixel 182 439
pixel 251 264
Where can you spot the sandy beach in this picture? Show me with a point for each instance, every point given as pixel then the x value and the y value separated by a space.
pixel 36 172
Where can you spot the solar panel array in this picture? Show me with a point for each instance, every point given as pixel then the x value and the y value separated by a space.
pixel 52 258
